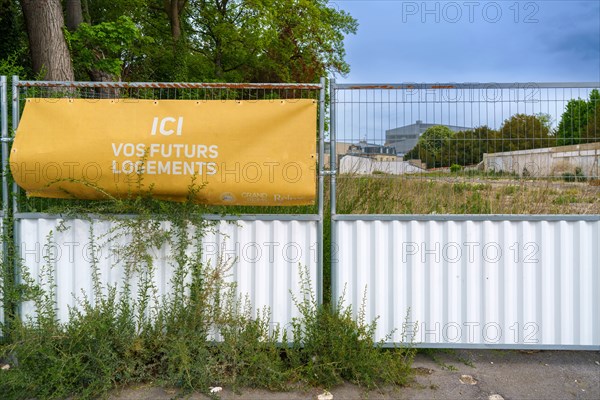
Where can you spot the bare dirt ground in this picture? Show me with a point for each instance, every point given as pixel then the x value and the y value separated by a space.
pixel 492 375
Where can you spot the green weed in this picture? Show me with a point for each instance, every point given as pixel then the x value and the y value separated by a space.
pixel 330 346
pixel 202 333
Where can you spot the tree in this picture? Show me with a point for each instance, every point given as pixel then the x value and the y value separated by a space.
pixel 523 132
pixel 440 147
pixel 592 130
pixel 572 122
pixel 304 42
pixel 430 145
pixel 270 40
pixel 14 48
pixel 187 40
pixel 100 49
pixel 9 29
pixel 579 123
pixel 227 34
pixel 49 52
pixel 174 10
pixel 468 147
pixel 73 14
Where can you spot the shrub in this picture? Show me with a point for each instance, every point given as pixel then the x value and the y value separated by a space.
pixel 568 177
pixel 201 334
pixel 330 346
pixel 455 168
pixel 579 175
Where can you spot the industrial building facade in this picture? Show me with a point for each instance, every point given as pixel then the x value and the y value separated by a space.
pixel 404 138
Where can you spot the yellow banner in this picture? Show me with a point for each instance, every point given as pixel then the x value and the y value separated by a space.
pixel 241 152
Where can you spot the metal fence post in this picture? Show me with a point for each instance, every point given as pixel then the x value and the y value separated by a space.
pixel 4 130
pixel 15 124
pixel 15 188
pixel 320 236
pixel 332 190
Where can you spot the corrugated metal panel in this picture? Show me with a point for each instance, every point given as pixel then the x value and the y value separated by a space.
pixel 265 256
pixel 480 283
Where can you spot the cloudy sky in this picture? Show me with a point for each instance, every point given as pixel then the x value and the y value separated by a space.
pixel 473 41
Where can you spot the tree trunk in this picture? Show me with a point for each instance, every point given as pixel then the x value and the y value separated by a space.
pixel 74 14
pixel 175 23
pixel 174 9
pixel 49 52
pixel 85 9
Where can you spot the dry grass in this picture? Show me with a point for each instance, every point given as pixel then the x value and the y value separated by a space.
pixel 448 194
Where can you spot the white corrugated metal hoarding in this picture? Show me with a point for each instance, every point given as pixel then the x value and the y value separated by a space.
pixel 265 256
pixel 474 281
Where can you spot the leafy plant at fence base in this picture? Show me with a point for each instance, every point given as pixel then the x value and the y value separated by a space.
pixel 331 345
pixel 201 333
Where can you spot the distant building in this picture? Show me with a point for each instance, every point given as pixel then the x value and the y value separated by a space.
pixel 376 152
pixel 404 138
pixel 340 149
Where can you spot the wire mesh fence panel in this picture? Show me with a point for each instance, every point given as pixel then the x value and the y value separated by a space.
pixel 134 92
pixel 467 148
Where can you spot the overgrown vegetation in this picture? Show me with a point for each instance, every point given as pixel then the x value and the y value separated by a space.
pixel 580 123
pixel 175 40
pixel 440 147
pixel 468 192
pixel 201 333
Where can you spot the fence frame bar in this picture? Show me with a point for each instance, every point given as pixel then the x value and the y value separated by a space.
pixel 489 85
pixel 170 85
pixel 466 217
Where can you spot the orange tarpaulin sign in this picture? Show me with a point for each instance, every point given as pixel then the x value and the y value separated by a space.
pixel 242 152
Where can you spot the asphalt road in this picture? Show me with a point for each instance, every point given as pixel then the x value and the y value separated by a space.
pixel 457 374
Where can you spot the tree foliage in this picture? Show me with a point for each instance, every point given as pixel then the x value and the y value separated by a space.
pixel 468 147
pixel 193 40
pixel 105 46
pixel 440 147
pixel 10 29
pixel 430 145
pixel 579 123
pixel 523 132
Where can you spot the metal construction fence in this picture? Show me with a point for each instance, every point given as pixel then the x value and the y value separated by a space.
pixel 262 249
pixel 261 254
pixel 470 212
pixel 467 215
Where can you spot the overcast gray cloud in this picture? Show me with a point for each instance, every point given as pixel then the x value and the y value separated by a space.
pixel 576 38
pixel 494 41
